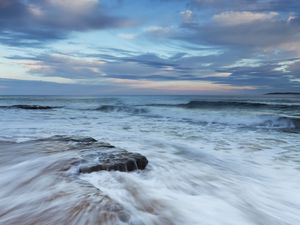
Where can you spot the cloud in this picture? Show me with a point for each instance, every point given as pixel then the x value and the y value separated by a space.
pixel 182 85
pixel 187 16
pixel 179 72
pixel 233 18
pixel 35 22
pixel 250 32
pixel 61 65
pixel 267 75
pixel 93 68
pixel 159 31
pixel 204 45
pixel 75 6
pixel 247 5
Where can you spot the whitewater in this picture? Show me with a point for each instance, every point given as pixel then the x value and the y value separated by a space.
pixel 213 160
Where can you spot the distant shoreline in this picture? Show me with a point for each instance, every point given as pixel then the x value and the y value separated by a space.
pixel 283 93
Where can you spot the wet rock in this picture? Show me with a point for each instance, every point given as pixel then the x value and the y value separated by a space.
pixel 90 155
pixel 115 159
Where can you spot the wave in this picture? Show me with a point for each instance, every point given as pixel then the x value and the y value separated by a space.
pixel 29 107
pixel 227 104
pixel 262 121
pixel 280 122
pixel 123 108
pixel 103 108
pixel 296 122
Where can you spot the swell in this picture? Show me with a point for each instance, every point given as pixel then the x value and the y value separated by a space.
pixel 29 107
pixel 228 104
pixel 103 108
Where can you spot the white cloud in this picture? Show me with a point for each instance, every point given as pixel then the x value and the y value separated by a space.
pixel 158 30
pixel 285 66
pixel 187 16
pixel 218 74
pixel 234 18
pixel 35 10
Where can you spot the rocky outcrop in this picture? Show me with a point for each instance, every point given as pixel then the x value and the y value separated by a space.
pixel 93 155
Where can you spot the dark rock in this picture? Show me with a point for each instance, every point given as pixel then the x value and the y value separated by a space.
pixel 91 155
pixel 283 93
pixel 115 159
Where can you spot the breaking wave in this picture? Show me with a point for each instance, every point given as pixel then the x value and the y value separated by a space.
pixel 227 104
pixel 262 121
pixel 118 108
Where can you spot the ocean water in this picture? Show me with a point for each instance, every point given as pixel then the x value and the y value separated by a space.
pixel 213 160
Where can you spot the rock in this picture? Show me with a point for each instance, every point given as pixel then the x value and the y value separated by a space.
pixel 116 159
pixel 92 155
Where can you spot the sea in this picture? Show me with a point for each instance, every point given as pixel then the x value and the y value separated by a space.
pixel 213 160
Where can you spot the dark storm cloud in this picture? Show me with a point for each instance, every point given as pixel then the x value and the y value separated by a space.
pixel 34 22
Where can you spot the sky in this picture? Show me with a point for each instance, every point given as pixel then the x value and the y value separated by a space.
pixel 149 47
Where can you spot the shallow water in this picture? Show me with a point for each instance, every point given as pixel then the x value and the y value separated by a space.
pixel 214 163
